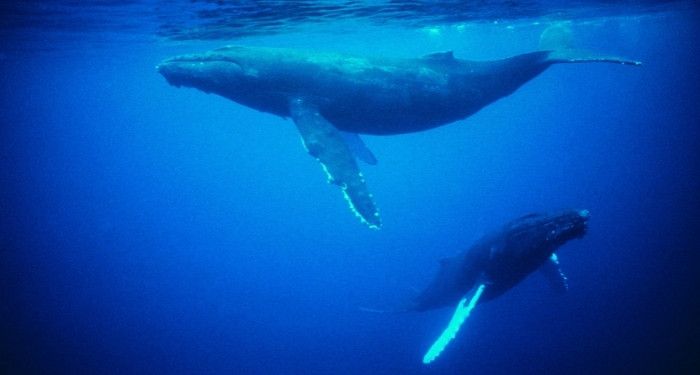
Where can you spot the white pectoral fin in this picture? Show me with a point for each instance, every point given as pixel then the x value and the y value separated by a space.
pixel 458 318
pixel 554 275
pixel 326 143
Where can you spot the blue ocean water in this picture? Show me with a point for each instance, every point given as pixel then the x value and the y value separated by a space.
pixel 148 229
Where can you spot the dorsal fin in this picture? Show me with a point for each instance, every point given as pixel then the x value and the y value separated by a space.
pixel 440 56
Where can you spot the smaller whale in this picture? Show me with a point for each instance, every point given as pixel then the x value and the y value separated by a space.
pixel 498 262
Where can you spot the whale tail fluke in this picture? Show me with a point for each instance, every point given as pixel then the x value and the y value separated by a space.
pixel 558 39
pixel 582 56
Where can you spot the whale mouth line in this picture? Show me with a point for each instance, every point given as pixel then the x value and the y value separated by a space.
pixel 184 63
pixel 200 59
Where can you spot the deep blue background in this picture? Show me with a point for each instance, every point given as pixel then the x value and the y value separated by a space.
pixel 148 229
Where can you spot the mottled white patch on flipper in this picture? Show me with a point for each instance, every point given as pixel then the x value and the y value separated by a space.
pixel 554 275
pixel 324 142
pixel 458 318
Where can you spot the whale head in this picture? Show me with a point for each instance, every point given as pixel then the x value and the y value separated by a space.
pixel 549 231
pixel 570 224
pixel 250 76
pixel 210 72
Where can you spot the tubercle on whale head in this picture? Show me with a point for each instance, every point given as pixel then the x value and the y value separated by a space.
pixel 571 224
pixel 583 216
pixel 555 228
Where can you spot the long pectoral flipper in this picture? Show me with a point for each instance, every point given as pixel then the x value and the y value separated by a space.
pixel 458 318
pixel 324 142
pixel 554 275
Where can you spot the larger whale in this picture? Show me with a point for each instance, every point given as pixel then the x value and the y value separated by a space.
pixel 333 97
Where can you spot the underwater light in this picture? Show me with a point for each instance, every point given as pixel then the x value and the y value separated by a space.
pixel 460 316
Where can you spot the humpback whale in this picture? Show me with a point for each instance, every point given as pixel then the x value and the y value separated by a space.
pixel 498 262
pixel 332 98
